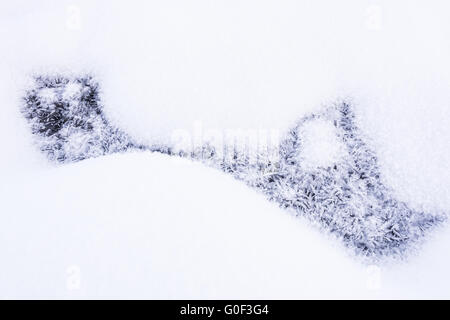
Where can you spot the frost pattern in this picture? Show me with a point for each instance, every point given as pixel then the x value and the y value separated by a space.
pixel 67 118
pixel 346 198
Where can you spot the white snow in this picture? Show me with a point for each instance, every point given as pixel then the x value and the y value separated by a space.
pixel 148 226
pixel 145 225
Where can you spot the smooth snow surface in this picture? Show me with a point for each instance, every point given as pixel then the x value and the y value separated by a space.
pixel 170 238
pixel 149 226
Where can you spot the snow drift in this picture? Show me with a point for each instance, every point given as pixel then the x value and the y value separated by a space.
pixel 345 197
pixel 228 64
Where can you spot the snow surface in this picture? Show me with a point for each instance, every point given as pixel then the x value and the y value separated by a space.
pixel 345 196
pixel 172 238
pixel 146 225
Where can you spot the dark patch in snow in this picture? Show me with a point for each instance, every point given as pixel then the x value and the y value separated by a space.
pixel 346 198
pixel 68 119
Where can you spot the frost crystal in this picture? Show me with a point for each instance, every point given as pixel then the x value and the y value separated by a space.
pixel 341 190
pixel 66 116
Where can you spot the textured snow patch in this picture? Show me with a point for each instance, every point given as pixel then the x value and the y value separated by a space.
pixel 66 116
pixel 136 226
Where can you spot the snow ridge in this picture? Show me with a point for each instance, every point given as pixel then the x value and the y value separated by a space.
pixel 346 197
